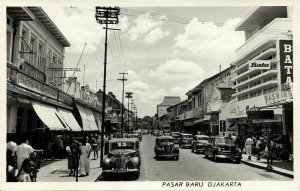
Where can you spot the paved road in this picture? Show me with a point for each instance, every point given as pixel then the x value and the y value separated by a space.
pixel 195 167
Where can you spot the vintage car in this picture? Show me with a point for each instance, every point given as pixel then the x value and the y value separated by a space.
pixel 134 135
pixel 199 142
pixel 160 133
pixel 176 136
pixel 123 157
pixel 139 135
pixel 165 148
pixel 185 140
pixel 222 147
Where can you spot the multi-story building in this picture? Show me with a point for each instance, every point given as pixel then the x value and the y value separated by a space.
pixel 174 113
pixel 35 100
pixel 263 74
pixel 162 110
pixel 198 116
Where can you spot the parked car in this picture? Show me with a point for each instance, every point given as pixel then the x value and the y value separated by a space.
pixel 185 140
pixel 176 136
pixel 160 133
pixel 133 135
pixel 222 147
pixel 139 135
pixel 165 148
pixel 199 142
pixel 123 157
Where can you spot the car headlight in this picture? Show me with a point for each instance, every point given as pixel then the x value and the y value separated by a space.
pixel 128 158
pixel 239 150
pixel 112 159
pixel 219 149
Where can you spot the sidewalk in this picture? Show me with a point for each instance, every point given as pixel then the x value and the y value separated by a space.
pixel 280 167
pixel 58 172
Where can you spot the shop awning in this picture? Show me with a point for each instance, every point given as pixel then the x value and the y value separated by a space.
pixel 205 118
pixel 69 119
pixel 49 115
pixel 88 119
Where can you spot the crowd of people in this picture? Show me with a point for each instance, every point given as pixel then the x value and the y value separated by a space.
pixel 21 165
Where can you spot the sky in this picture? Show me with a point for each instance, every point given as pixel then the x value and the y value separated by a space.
pixel 166 51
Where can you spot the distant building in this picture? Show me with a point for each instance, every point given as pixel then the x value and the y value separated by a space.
pixel 167 102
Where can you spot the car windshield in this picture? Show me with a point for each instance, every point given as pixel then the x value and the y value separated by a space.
pixel 166 140
pixel 187 136
pixel 223 140
pixel 132 136
pixel 122 145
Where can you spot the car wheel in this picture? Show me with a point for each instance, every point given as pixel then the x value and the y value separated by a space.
pixel 193 150
pixel 238 161
pixel 215 157
pixel 206 153
pixel 177 158
pixel 136 175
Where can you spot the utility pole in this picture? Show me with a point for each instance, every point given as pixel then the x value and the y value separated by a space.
pixel 123 79
pixel 105 15
pixel 132 115
pixel 83 75
pixel 128 95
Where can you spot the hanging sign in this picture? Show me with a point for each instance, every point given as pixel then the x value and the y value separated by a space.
pixel 286 61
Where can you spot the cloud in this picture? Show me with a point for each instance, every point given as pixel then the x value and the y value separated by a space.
pixel 155 35
pixel 202 38
pixel 81 28
pixel 146 28
pixel 177 70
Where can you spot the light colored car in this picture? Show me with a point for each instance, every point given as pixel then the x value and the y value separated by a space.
pixel 199 142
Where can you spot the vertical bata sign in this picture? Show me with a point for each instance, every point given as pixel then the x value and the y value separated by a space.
pixel 286 61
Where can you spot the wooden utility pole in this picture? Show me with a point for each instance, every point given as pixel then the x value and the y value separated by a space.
pixel 105 15
pixel 123 79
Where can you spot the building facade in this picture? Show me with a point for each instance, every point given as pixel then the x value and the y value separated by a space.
pixel 263 74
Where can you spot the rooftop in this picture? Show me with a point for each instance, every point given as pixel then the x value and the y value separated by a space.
pixel 170 100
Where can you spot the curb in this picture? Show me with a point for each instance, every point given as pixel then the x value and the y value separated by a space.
pixel 272 170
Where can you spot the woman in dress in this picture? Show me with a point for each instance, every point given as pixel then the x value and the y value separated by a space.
pixel 84 162
pixel 25 171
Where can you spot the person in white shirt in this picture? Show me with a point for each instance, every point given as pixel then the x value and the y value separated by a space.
pixel 23 152
pixel 248 146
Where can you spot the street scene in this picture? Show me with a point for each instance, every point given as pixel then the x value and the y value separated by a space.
pixel 100 94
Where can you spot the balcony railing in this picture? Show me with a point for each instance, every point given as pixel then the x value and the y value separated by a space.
pixel 28 81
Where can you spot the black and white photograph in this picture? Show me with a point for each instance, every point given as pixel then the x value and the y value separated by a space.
pixel 153 96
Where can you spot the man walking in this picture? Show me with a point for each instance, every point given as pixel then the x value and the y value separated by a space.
pixel 23 152
pixel 248 146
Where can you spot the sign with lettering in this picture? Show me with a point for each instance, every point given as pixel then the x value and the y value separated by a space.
pixel 222 125
pixel 286 61
pixel 264 114
pixel 279 97
pixel 259 64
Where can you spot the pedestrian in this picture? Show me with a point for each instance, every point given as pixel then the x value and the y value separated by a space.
pixel 259 148
pixel 270 152
pixel 25 171
pixel 84 161
pixel 94 147
pixel 11 148
pixel 23 152
pixel 11 167
pixel 248 147
pixel 233 136
pixel 73 152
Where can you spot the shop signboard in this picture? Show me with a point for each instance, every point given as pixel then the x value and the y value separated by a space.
pixel 280 96
pixel 263 114
pixel 259 64
pixel 222 125
pixel 286 61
